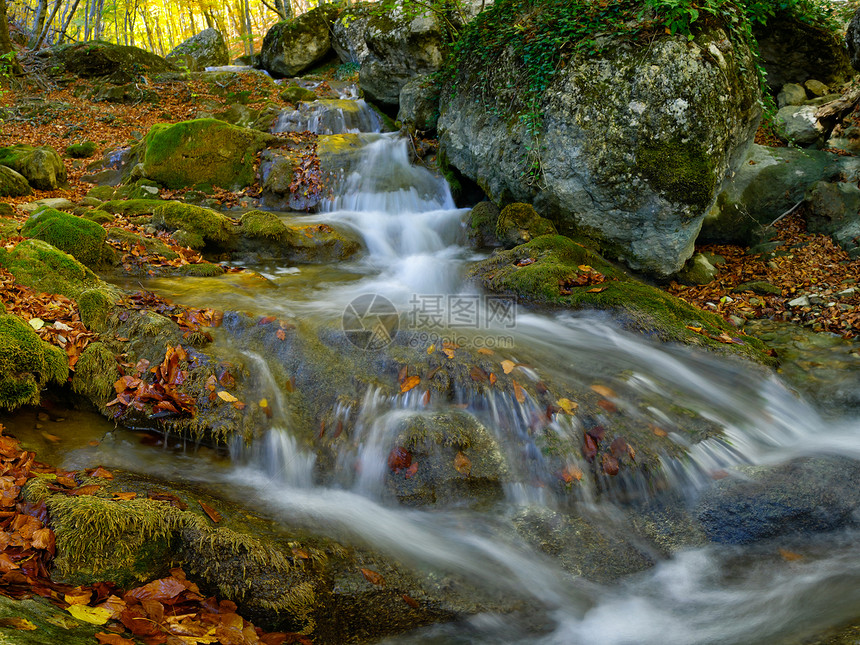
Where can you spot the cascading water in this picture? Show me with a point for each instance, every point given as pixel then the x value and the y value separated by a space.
pixel 411 228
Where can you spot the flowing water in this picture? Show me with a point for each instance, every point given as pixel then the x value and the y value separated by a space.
pixel 414 258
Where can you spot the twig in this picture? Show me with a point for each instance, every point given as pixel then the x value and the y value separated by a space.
pixel 787 213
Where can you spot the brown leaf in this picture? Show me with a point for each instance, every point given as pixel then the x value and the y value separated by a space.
pixel 478 375
pixel 589 449
pixel 410 472
pixel 124 496
pixel 519 394
pixel 86 490
pixel 790 556
pixel 21 624
pixel 373 578
pixel 214 515
pixel 610 465
pixel 508 366
pixel 607 405
pixel 399 459
pixel 113 639
pixel 409 383
pixel 602 390
pixel 462 464
pixel 410 601
pixel 161 590
pixel 100 472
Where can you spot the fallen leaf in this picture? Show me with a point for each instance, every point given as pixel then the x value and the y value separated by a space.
pixel 508 366
pixel 462 464
pixel 281 334
pixel 21 624
pixel 124 496
pixel 36 323
pixel 569 474
pixel 226 396
pixel 373 578
pixel 589 449
pixel 485 351
pixel 409 383
pixel 410 601
pixel 410 472
pixel 93 615
pixel 567 405
pixel 790 556
pixel 214 515
pixel 50 437
pixel 478 375
pixel 399 459
pixel 519 393
pixel 113 639
pixel 161 590
pixel 610 465
pixel 86 490
pixel 602 390
pixel 607 405
pixel 78 596
pixel 100 472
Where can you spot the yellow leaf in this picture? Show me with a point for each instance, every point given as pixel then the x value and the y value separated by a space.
pixel 409 384
pixel 431 349
pixel 21 624
pixel 94 615
pixel 485 351
pixel 36 323
pixel 567 405
pixel 519 394
pixel 508 366
pixel 448 352
pixel 462 464
pixel 226 396
pixel 264 403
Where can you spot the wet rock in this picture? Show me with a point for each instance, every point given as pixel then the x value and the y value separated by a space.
pixel 481 224
pixel 205 49
pixel 832 208
pixel 27 364
pixel 645 203
pixel 852 40
pixel 768 183
pixel 12 183
pixel 791 94
pixel 40 165
pixel 419 104
pixel 197 226
pixel 456 462
pixel 264 235
pixel 520 223
pixel 295 93
pixel 804 496
pixel 798 124
pixel 793 50
pixel 816 88
pixel 698 270
pixel 294 46
pixel 58 203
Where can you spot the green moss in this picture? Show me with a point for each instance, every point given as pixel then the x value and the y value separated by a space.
pixel 103 193
pixel 261 224
pixel 203 150
pixel 95 373
pixel 519 223
pixel 94 306
pixel 81 150
pixel 552 267
pixel 151 244
pixel 682 172
pixel 9 228
pixel 203 224
pixel 98 216
pixel 133 207
pixel 27 363
pixel 295 93
pixel 202 270
pixel 81 238
pixel 6 210
pixel 38 265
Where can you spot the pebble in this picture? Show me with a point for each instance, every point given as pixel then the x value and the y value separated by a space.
pixel 802 301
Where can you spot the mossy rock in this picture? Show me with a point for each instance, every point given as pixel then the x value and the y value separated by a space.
pixel 102 193
pixel 262 225
pixel 202 270
pixel 95 373
pixel 40 165
pixel 6 210
pixel 319 243
pixel 12 183
pixel 98 216
pixel 482 225
pixel 520 223
pixel 81 150
pixel 27 363
pixel 94 306
pixel 151 244
pixel 133 207
pixel 119 63
pixel 295 93
pixel 201 151
pixel 201 226
pixel 683 172
pixel 77 236
pixel 38 265
pixel 555 270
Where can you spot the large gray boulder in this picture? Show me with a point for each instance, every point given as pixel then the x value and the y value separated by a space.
pixel 797 123
pixel 392 49
pixel 635 142
pixel 293 46
pixel 832 208
pixel 97 59
pixel 206 49
pixel 793 51
pixel 767 184
pixel 419 104
pixel 41 166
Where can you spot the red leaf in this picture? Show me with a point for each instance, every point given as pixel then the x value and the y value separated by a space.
pixel 399 459
pixel 214 515
pixel 373 578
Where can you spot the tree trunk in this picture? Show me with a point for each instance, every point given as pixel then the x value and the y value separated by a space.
pixel 44 33
pixel 38 22
pixel 5 42
pixel 68 20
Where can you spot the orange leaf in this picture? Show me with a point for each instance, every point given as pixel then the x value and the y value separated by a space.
pixel 281 334
pixel 100 472
pixel 519 394
pixel 124 496
pixel 410 601
pixel 462 464
pixel 790 556
pixel 86 490
pixel 409 384
pixel 602 390
pixel 113 639
pixel 485 351
pixel 214 515
pixel 508 366
pixel 373 578
pixel 161 590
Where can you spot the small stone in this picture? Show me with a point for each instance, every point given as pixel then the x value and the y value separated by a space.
pixel 802 301
pixel 737 321
pixel 760 287
pixel 698 270
pixel 816 88
pixel 42 416
pixel 816 300
pixel 847 293
pixel 791 94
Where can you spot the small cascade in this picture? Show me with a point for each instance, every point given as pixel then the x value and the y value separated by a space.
pixel 329 116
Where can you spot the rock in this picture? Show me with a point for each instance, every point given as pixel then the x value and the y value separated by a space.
pixel 801 497
pixel 205 49
pixel 419 104
pixel 457 462
pixel 202 151
pixel 697 271
pixel 119 63
pixel 41 166
pixel 798 124
pixel 547 272
pixel 329 116
pixel 791 94
pixel 852 40
pixel 13 184
pixel 802 301
pixel 295 93
pixel 27 364
pixel 58 203
pixel 294 46
pixel 79 237
pixel 816 88
pixel 761 287
pixel 832 208
pixel 768 183
pixel 845 138
pixel 520 223
pixel 264 235
pixel 81 150
pixel 38 265
pixel 792 51
pixel 481 224
pixel 620 162
pixel 348 34
pixel 6 210
pixel 198 227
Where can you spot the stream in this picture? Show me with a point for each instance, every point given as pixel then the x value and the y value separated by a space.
pixel 415 259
